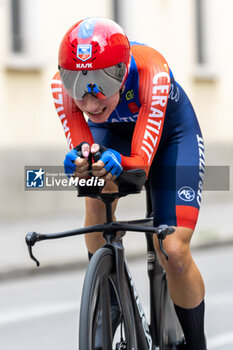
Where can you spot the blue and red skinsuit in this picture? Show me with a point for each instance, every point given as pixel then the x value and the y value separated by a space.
pixel 154 127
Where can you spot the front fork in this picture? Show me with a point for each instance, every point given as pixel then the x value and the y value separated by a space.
pixel 143 336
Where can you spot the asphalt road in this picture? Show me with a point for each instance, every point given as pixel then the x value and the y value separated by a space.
pixel 42 312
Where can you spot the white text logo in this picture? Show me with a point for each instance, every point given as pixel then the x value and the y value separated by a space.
pixel 73 181
pixel 156 115
pixel 84 65
pixel 201 149
pixel 58 100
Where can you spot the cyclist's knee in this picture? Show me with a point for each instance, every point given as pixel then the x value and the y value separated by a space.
pixel 177 246
pixel 94 210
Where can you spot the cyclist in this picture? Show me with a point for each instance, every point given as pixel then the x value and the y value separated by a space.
pixel 121 98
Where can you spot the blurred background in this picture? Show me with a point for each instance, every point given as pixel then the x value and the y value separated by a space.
pixel 192 35
pixel 195 38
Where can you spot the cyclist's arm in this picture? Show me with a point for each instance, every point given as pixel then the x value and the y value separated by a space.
pixel 74 124
pixel 154 85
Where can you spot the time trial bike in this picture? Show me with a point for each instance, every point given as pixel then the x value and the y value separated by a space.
pixel 122 325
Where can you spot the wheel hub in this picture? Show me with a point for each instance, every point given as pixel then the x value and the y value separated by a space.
pixel 121 346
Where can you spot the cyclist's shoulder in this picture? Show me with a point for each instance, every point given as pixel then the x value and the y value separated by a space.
pixel 56 79
pixel 147 58
pixel 149 65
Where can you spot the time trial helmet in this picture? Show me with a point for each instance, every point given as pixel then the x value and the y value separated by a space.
pixel 94 57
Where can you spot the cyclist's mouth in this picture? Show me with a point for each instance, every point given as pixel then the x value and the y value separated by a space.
pixel 98 113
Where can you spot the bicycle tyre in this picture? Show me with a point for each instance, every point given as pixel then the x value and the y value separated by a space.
pixel 99 273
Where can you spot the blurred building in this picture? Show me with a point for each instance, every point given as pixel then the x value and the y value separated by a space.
pixel 193 35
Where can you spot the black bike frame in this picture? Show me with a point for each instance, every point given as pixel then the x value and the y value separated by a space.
pixel 149 334
pixel 156 276
pixel 134 225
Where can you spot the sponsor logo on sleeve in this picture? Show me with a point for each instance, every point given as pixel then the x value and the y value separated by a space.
pixel 160 92
pixel 201 149
pixel 186 194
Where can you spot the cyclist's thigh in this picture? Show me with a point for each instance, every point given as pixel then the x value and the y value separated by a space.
pixel 176 176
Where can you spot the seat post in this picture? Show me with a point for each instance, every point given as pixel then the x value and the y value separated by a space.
pixel 149 210
pixel 108 207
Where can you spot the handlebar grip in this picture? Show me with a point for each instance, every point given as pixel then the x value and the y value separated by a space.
pixel 31 238
pixel 79 154
pixel 96 156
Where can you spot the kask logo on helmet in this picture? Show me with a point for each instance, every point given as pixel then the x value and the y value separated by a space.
pixel 84 65
pixel 84 52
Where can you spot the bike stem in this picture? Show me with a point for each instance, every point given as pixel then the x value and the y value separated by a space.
pixel 108 209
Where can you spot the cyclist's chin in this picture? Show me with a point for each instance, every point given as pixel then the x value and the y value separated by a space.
pixel 98 118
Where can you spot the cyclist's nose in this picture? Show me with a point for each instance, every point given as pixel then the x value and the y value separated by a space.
pixel 92 104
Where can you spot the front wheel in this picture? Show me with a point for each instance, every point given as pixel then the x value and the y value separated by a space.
pixel 103 326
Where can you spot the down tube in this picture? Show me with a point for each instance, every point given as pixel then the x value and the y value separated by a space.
pixel 156 275
pixel 144 337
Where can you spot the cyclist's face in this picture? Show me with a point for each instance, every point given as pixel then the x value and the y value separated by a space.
pixel 98 110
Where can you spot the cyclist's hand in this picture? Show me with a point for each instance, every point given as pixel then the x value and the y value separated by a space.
pixel 108 166
pixel 76 161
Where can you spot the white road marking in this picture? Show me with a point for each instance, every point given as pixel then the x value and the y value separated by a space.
pixel 220 340
pixel 37 312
